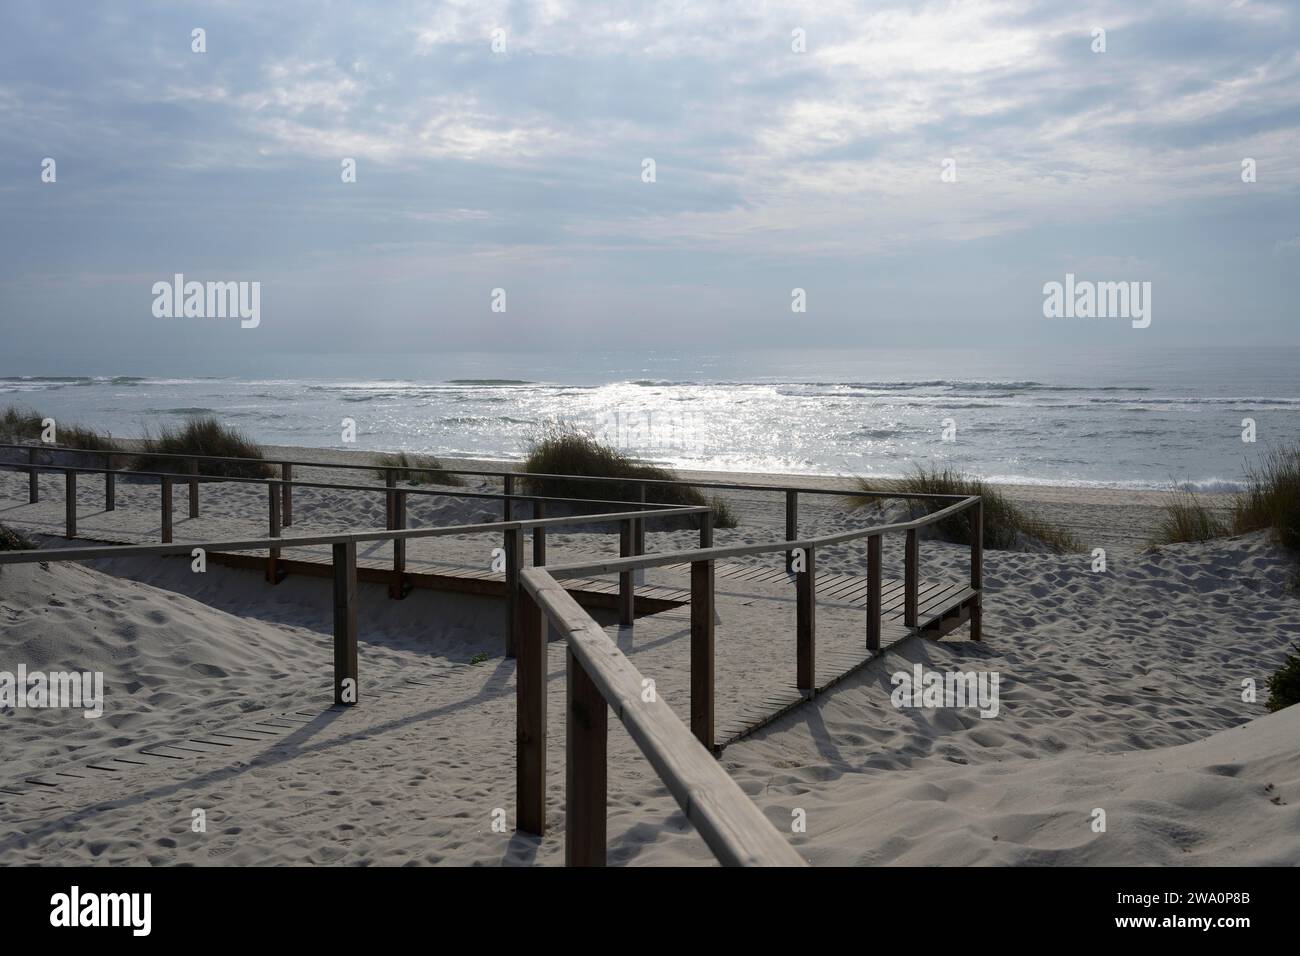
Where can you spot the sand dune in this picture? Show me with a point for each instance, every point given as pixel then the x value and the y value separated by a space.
pixel 1119 691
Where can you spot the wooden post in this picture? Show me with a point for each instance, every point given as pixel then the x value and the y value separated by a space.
pixel 626 596
pixel 977 571
pixel 273 554
pixel 640 523
pixel 166 510
pixel 390 482
pixel 509 490
pixel 530 720
pixel 638 536
pixel 346 690
pixel 397 587
pixel 806 618
pixel 194 488
pixel 873 593
pixel 706 528
pixel 638 543
pixel 33 477
pixel 791 525
pixel 539 534
pixel 587 720
pixel 514 561
pixel 69 504
pixel 286 505
pixel 110 485
pixel 911 579
pixel 702 678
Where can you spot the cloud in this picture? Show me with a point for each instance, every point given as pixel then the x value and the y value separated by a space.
pixel 763 154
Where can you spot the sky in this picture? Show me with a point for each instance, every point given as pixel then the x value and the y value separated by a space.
pixel 502 145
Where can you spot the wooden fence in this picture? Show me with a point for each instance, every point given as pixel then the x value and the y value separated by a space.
pixel 598 677
pixel 586 827
pixel 733 827
pixel 646 486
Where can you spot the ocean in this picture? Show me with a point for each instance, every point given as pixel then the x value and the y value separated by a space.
pixel 1112 418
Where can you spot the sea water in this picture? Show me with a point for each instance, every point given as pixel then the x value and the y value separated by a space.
pixel 1100 418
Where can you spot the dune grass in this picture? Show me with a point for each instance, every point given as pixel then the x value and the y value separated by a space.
pixel 24 424
pixel 198 436
pixel 1284 684
pixel 567 451
pixel 1007 527
pixel 203 436
pixel 1186 518
pixel 1272 498
pixel 1271 501
pixel 20 424
pixel 430 470
pixel 76 436
pixel 11 540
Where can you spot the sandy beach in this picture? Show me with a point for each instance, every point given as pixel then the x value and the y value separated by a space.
pixel 1119 691
pixel 710 436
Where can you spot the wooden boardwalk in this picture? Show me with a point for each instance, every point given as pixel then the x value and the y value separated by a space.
pixel 866 614
pixel 941 605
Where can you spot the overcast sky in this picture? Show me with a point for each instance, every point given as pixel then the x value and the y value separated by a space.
pixel 522 170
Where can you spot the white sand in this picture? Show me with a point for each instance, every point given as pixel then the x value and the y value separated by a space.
pixel 1119 691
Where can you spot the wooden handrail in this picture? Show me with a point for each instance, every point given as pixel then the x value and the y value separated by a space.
pixel 732 826
pixel 599 674
pixel 619 565
pixel 256 544
pixel 632 534
pixel 298 483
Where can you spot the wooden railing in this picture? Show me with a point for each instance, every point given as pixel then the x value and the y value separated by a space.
pixel 285 483
pixel 512 531
pixel 508 478
pixel 599 676
pixel 702 594
pixel 344 561
pixel 733 827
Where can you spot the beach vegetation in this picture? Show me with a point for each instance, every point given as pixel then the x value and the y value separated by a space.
pixel 11 540
pixel 1269 502
pixel 20 424
pixel 430 470
pixel 1271 499
pixel 77 436
pixel 1186 518
pixel 24 424
pixel 563 450
pixel 203 435
pixel 1007 526
pixel 1284 685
